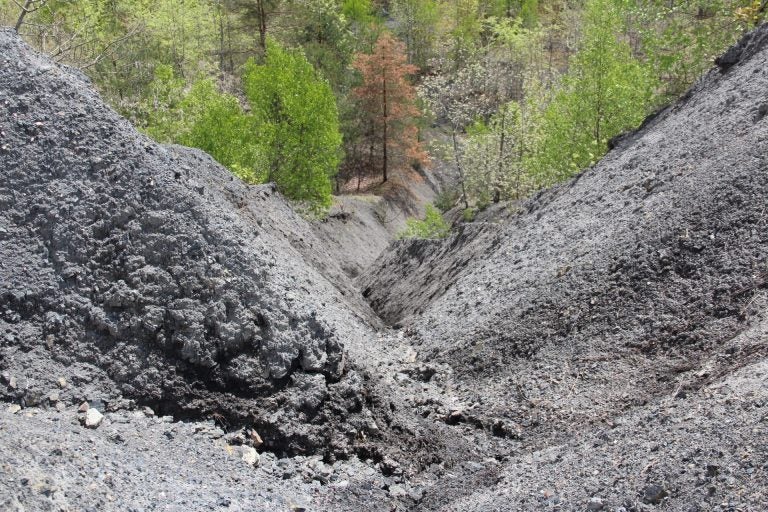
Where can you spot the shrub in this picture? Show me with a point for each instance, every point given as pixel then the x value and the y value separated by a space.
pixel 433 226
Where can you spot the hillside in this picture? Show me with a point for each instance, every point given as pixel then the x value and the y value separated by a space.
pixel 638 285
pixel 147 272
pixel 604 348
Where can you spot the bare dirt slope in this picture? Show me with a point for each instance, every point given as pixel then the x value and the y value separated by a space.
pixel 629 286
pixel 360 226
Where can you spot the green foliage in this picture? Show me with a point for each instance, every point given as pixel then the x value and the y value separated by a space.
pixel 525 10
pixel 540 112
pixel 161 108
pixel 432 226
pixel 215 123
pixel 446 199
pixel 680 39
pixel 297 123
pixel 358 11
pixel 204 118
pixel 327 41
pixel 468 214
pixel 605 92
pixel 467 27
pixel 497 153
pixel 417 27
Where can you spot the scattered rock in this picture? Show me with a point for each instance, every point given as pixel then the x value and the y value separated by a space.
pixel 254 437
pixel 654 494
pixel 397 491
pixel 389 466
pixel 62 382
pixel 250 456
pixel 93 418
pixel 83 407
pixel 14 408
pixel 595 503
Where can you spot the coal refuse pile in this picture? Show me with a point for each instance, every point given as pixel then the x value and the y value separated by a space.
pixel 623 296
pixel 659 247
pixel 604 348
pixel 147 274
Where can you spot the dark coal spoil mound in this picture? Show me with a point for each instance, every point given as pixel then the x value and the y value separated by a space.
pixel 605 327
pixel 660 245
pixel 633 281
pixel 132 270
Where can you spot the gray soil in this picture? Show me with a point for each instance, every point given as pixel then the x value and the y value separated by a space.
pixel 602 349
pixel 360 227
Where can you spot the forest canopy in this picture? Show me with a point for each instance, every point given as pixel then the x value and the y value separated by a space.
pixel 513 95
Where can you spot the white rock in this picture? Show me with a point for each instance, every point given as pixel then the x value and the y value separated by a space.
pixel 14 408
pixel 250 456
pixel 93 418
pixel 397 491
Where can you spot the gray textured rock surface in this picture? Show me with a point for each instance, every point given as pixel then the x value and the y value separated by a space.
pixel 134 462
pixel 139 271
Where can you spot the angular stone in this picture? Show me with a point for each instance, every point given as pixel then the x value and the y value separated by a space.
pixel 93 418
pixel 250 456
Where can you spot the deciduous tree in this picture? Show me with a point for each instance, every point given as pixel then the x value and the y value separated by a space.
pixel 605 92
pixel 295 114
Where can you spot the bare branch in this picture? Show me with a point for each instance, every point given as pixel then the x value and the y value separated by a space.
pixel 112 44
pixel 29 7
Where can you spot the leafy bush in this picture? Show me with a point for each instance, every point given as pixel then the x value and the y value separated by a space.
pixel 447 198
pixel 204 118
pixel 290 137
pixel 295 114
pixel 216 123
pixel 433 226
pixel 606 91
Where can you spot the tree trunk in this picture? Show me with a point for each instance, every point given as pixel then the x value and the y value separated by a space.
pixel 385 162
pixel 262 25
pixel 460 169
pixel 24 11
pixel 221 40
pixel 496 188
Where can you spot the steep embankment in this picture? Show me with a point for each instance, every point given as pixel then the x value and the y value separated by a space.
pixel 659 246
pixel 360 227
pixel 640 281
pixel 133 270
pixel 138 274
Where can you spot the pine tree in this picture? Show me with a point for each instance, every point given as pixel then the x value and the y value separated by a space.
pixel 389 101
